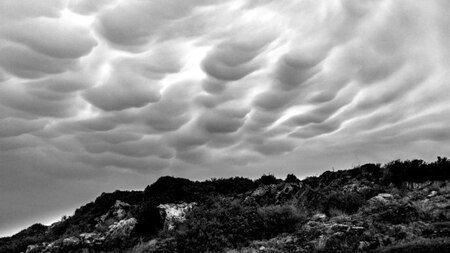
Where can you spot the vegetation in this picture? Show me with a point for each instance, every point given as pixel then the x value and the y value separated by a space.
pixel 439 245
pixel 234 213
pixel 20 241
pixel 230 223
pixel 348 203
pixel 398 172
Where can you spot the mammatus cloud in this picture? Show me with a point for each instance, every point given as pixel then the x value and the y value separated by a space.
pixel 98 89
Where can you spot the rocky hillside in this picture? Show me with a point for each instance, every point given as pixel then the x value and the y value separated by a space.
pixel 402 206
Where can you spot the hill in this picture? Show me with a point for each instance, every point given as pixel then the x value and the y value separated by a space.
pixel 402 206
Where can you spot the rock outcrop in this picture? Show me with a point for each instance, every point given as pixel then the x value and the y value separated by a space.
pixel 115 225
pixel 366 209
pixel 173 213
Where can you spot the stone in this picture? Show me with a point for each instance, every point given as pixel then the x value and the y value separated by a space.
pixel 70 241
pixel 121 229
pixel 175 213
pixel 381 199
pixel 119 211
pixel 432 194
pixel 319 217
pixel 91 239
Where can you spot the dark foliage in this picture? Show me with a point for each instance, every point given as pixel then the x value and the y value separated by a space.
pixel 85 217
pixel 277 219
pixel 227 215
pixel 291 178
pixel 400 214
pixel 20 241
pixel 174 190
pixel 230 186
pixel 149 220
pixel 267 180
pixel 169 189
pixel 429 246
pixel 342 244
pixel 398 171
pixel 347 202
pixel 226 223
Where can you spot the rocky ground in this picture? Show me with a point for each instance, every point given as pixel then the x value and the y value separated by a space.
pixel 419 213
pixel 366 209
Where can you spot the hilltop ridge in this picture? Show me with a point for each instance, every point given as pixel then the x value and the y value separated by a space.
pixel 402 206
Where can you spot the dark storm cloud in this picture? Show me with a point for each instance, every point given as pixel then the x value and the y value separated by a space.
pixel 122 92
pixel 221 121
pixel 233 60
pixel 35 103
pixel 10 127
pixel 26 63
pixel 61 40
pixel 274 147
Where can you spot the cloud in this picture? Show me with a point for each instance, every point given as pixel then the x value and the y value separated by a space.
pixel 25 63
pixel 135 23
pixel 136 89
pixel 234 59
pixel 221 122
pixel 30 100
pixel 122 92
pixel 29 8
pixel 52 37
pixel 120 83
pixel 11 127
pixel 86 7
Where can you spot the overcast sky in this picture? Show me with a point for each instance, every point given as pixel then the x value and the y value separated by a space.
pixel 111 94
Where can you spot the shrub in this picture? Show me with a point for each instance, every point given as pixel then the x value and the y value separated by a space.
pixel 267 180
pixel 342 244
pixel 149 220
pixel 421 246
pixel 400 214
pixel 230 186
pixel 279 219
pixel 398 171
pixel 291 178
pixel 347 202
pixel 225 223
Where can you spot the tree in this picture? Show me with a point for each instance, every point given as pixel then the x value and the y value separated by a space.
pixel 291 178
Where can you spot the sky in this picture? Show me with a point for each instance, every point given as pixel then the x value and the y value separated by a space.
pixel 112 94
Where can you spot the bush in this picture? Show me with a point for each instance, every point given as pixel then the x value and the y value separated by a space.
pixel 19 242
pixel 149 220
pixel 347 202
pixel 400 214
pixel 267 180
pixel 225 223
pixel 216 225
pixel 420 246
pixel 291 178
pixel 279 219
pixel 342 244
pixel 398 171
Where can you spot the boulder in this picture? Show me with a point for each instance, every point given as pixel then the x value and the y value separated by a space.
pixel 319 217
pixel 119 211
pixel 121 229
pixel 437 206
pixel 91 239
pixel 175 213
pixel 71 242
pixel 381 199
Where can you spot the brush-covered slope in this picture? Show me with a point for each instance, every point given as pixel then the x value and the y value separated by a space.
pixel 403 206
